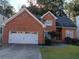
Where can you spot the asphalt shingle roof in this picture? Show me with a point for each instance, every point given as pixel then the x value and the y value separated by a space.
pixel 61 21
pixel 65 22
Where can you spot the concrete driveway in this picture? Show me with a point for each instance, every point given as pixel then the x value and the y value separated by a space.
pixel 20 52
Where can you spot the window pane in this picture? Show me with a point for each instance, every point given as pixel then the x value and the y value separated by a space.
pixel 48 22
pixel 69 34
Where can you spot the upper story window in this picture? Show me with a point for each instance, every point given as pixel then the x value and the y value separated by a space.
pixel 48 22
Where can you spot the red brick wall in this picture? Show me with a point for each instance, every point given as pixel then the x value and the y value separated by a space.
pixel 64 32
pixel 50 17
pixel 23 22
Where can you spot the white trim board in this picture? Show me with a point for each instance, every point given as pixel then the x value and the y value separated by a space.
pixel 24 9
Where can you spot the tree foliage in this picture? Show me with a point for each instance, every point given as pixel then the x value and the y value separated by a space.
pixel 55 6
pixel 9 11
pixel 6 8
pixel 72 8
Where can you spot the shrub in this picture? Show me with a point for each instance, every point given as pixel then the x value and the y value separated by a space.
pixel 48 42
pixel 68 40
pixel 74 41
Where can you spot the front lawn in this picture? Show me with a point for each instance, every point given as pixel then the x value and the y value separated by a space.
pixel 68 52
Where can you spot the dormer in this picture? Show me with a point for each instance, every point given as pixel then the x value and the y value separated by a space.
pixel 49 20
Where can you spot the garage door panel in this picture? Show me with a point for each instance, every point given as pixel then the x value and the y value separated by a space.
pixel 14 37
pixel 25 38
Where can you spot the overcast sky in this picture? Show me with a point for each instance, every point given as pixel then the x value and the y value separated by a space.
pixel 18 3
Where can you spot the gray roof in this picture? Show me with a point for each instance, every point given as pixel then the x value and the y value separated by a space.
pixel 38 16
pixel 61 21
pixel 65 22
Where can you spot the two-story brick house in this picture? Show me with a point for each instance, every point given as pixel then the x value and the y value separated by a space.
pixel 26 28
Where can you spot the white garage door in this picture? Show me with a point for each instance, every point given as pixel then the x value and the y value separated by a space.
pixel 23 37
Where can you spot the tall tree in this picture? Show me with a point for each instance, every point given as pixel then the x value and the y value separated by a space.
pixel 55 6
pixel 9 11
pixel 6 8
pixel 72 8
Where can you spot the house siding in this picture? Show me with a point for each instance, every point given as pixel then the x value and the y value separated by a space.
pixel 69 29
pixel 23 22
pixel 50 17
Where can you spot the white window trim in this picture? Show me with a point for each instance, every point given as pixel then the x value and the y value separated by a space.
pixel 48 22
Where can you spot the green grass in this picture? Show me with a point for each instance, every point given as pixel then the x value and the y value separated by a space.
pixel 69 52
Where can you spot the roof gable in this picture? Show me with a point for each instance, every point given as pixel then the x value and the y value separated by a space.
pixel 50 14
pixel 24 9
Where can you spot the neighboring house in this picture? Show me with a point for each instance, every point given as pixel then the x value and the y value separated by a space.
pixel 77 24
pixel 3 18
pixel 26 28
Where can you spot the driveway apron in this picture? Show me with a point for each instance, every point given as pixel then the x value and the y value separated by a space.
pixel 20 52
